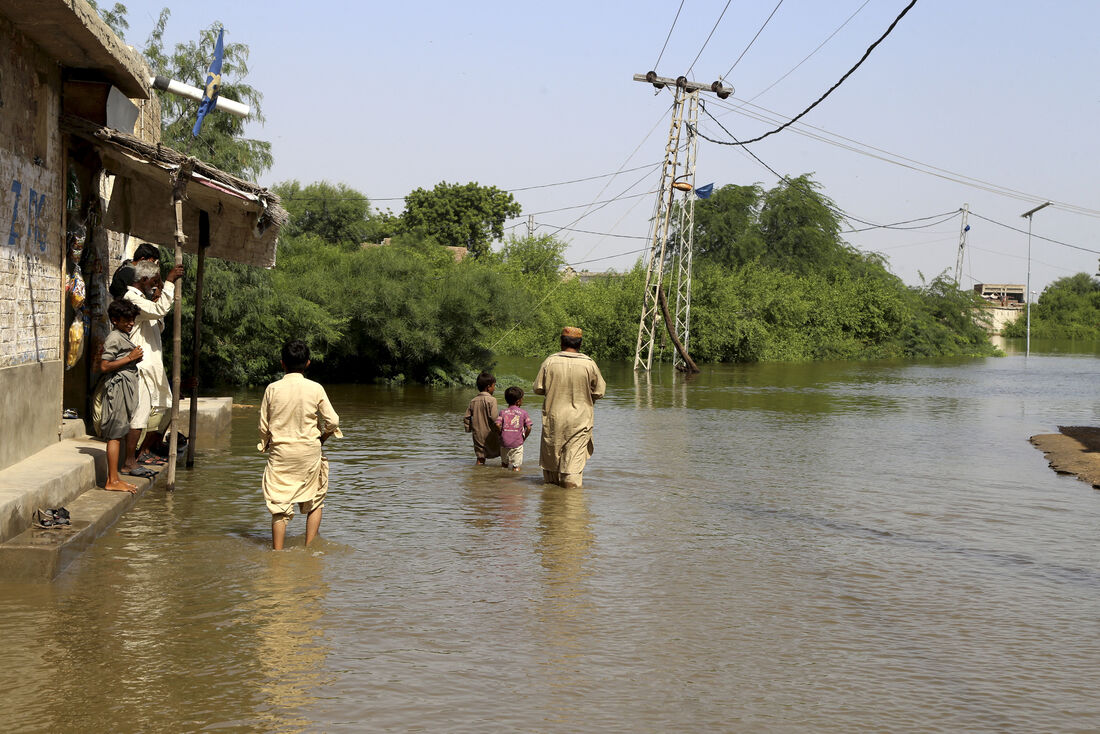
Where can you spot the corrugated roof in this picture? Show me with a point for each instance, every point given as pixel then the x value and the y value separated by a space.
pixel 245 218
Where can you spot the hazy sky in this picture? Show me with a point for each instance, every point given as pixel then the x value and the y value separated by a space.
pixel 390 97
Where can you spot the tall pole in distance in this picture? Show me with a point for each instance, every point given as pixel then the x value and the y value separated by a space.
pixel 963 229
pixel 1027 288
pixel 655 301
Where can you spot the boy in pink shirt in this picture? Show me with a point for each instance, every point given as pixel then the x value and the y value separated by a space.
pixel 514 425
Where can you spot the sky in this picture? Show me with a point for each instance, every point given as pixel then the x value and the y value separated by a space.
pixel 990 103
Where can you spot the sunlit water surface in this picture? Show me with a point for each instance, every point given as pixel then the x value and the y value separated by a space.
pixel 841 547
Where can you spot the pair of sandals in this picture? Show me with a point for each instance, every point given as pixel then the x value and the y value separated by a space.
pixel 52 518
pixel 148 458
pixel 140 471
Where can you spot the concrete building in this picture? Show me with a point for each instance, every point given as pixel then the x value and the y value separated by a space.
pixel 83 181
pixel 1007 302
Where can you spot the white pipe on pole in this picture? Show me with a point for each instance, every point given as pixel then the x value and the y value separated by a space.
pixel 172 86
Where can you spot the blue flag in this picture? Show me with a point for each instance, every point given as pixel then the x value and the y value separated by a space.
pixel 704 192
pixel 213 85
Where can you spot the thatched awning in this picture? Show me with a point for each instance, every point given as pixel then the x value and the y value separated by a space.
pixel 244 218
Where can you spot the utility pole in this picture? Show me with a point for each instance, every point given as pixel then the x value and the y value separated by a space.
pixel 1027 288
pixel 676 257
pixel 530 226
pixel 963 229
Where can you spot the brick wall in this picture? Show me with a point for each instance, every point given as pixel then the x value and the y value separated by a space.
pixel 31 201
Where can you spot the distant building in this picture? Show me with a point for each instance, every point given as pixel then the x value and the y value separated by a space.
pixel 1002 294
pixel 1006 302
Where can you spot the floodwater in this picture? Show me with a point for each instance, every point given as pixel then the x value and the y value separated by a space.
pixel 827 547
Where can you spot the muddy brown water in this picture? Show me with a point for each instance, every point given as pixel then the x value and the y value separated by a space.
pixel 825 547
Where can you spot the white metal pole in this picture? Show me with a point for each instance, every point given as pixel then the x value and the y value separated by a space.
pixel 1027 290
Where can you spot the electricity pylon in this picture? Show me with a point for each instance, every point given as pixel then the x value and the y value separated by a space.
pixel 675 257
pixel 963 229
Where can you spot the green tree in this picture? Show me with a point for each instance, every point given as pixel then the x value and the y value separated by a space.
pixel 336 213
pixel 542 256
pixel 222 142
pixel 460 215
pixel 1068 308
pixel 727 228
pixel 115 17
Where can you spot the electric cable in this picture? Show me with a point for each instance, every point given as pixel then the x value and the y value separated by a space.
pixel 945 217
pixel 803 61
pixel 761 30
pixel 831 89
pixel 712 30
pixel 1036 236
pixel 660 55
pixel 513 190
pixel 919 166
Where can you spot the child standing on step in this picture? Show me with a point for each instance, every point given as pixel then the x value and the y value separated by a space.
pixel 119 365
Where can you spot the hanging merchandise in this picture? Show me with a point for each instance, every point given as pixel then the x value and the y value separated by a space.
pixel 78 292
pixel 76 289
pixel 77 330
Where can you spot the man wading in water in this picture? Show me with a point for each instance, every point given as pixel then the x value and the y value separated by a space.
pixel 571 382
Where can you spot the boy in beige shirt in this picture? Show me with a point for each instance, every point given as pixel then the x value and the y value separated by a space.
pixel 296 418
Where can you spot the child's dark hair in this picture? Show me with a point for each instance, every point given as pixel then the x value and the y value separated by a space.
pixel 513 394
pixel 146 251
pixel 295 355
pixel 484 380
pixel 121 310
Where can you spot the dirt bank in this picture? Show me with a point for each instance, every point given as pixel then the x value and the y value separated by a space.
pixel 1075 450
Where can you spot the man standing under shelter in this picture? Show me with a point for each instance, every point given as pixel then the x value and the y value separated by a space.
pixel 571 382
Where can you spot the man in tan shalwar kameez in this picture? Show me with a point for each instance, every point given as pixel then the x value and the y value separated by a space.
pixel 571 382
pixel 296 417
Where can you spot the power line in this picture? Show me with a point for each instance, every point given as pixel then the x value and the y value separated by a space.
pixel 803 61
pixel 607 257
pixel 588 231
pixel 945 217
pixel 355 197
pixel 735 63
pixel 660 55
pixel 889 157
pixel 1036 236
pixel 831 89
pixel 712 30
pixel 582 206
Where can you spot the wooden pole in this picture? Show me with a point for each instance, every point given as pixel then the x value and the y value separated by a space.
pixel 196 337
pixel 178 191
pixel 689 363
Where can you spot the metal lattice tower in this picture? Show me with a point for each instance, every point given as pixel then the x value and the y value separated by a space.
pixel 673 259
pixel 682 254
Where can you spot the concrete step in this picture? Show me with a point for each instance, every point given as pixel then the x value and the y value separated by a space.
pixel 53 477
pixel 40 554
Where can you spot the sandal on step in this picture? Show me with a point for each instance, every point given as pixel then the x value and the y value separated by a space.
pixel 140 471
pixel 149 459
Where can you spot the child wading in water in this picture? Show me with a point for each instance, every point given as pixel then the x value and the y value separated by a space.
pixel 296 418
pixel 480 417
pixel 514 425
pixel 120 393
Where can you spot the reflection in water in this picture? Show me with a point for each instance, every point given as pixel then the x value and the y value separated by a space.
pixel 285 613
pixel 822 547
pixel 566 614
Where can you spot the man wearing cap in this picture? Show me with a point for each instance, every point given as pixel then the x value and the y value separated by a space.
pixel 571 382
